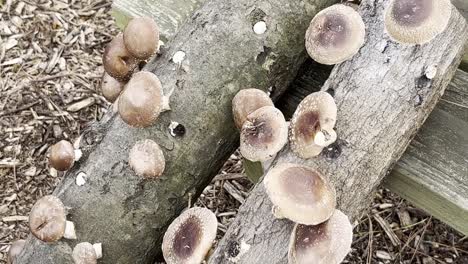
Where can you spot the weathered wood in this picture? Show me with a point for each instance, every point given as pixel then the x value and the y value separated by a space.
pixel 383 97
pixel 128 215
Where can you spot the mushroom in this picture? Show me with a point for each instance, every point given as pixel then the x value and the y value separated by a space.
pixel 142 100
pixel 117 60
pixel 264 133
pixel 417 21
pixel 147 159
pixel 335 34
pixel 85 253
pixel 111 88
pixel 190 236
pixel 15 249
pixel 141 37
pixel 311 127
pixel 62 155
pixel 325 243
pixel 245 102
pixel 47 220
pixel 300 194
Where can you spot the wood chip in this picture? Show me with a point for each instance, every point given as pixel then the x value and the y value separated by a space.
pixel 15 218
pixel 81 104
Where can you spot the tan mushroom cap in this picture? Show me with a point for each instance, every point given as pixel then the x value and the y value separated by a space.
pixel 141 101
pixel 247 101
pixel 264 133
pixel 84 253
pixel 62 155
pixel 300 193
pixel 15 249
pixel 325 243
pixel 141 37
pixel 311 127
pixel 189 238
pixel 47 219
pixel 147 159
pixel 335 34
pixel 111 87
pixel 117 60
pixel 417 21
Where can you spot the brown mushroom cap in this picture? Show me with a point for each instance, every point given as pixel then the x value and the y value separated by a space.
pixel 141 37
pixel 245 102
pixel 311 127
pixel 264 133
pixel 335 34
pixel 47 219
pixel 15 249
pixel 141 101
pixel 325 243
pixel 189 238
pixel 84 253
pixel 117 60
pixel 417 21
pixel 300 193
pixel 111 88
pixel 62 155
pixel 147 159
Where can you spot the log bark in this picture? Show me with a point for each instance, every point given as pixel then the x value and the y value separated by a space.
pixel 383 97
pixel 129 215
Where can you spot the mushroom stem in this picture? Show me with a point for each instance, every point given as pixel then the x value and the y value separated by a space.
pixel 165 104
pixel 277 212
pixel 98 248
pixel 69 230
pixel 324 138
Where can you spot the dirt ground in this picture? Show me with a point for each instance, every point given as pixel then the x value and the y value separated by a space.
pixel 50 66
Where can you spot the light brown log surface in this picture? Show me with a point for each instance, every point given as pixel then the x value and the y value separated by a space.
pixel 383 97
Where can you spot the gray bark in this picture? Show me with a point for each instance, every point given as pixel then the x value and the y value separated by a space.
pixel 129 215
pixel 383 97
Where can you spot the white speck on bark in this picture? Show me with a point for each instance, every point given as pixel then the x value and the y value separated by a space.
pixel 178 57
pixel 431 72
pixel 260 27
pixel 81 178
pixel 244 248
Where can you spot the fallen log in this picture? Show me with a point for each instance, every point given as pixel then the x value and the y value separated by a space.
pixel 129 215
pixel 383 96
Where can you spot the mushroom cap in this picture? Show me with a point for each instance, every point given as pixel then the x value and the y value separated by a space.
pixel 264 133
pixel 62 155
pixel 117 60
pixel 84 253
pixel 147 159
pixel 190 236
pixel 47 219
pixel 141 101
pixel 246 101
pixel 335 34
pixel 417 21
pixel 300 193
pixel 111 87
pixel 141 37
pixel 15 249
pixel 314 117
pixel 325 243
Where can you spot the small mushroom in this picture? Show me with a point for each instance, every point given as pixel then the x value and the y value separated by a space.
pixel 189 238
pixel 141 37
pixel 111 88
pixel 142 100
pixel 147 159
pixel 300 194
pixel 85 253
pixel 117 60
pixel 264 133
pixel 325 243
pixel 62 155
pixel 335 34
pixel 245 102
pixel 417 21
pixel 47 220
pixel 311 127
pixel 15 249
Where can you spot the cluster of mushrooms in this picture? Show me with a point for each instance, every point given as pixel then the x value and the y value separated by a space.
pixel 300 193
pixel 322 234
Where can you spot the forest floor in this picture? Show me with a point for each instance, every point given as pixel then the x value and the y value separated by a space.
pixel 50 69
